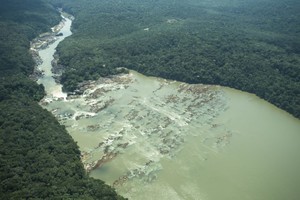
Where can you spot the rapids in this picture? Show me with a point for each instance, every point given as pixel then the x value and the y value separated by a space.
pixel 153 138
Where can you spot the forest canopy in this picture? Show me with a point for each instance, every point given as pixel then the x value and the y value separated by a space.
pixel 38 158
pixel 248 45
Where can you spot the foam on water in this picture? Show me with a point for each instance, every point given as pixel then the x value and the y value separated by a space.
pixel 153 138
pixel 127 116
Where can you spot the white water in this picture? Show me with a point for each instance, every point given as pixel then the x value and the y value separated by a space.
pixel 53 89
pixel 170 145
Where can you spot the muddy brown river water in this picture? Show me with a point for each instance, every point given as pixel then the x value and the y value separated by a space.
pixel 153 138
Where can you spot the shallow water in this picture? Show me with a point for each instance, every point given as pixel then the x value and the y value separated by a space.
pixel 157 139
pixel 250 151
pixel 260 162
pixel 47 56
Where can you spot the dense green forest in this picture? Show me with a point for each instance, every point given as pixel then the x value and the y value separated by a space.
pixel 252 45
pixel 38 158
pixel 248 45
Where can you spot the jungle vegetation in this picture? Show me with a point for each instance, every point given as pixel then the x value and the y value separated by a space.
pixel 38 158
pixel 251 45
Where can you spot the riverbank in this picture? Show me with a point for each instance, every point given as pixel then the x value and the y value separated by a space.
pixel 42 42
pixel 39 159
pixel 122 114
pixel 209 44
pixel 153 138
pixel 44 48
pixel 134 131
pixel 51 40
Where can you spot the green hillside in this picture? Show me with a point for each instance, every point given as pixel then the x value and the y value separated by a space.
pixel 249 45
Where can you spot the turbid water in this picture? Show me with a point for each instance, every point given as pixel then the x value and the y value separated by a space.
pixel 158 139
pixel 46 55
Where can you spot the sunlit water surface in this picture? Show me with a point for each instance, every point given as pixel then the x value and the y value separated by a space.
pixel 152 138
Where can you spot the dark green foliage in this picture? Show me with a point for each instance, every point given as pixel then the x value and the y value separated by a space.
pixel 21 21
pixel 38 158
pixel 249 45
pixel 33 15
pixel 20 86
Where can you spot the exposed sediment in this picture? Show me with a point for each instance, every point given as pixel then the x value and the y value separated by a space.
pixel 128 116
pixel 42 42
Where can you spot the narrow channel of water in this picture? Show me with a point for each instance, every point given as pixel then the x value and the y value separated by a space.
pixel 158 139
pixel 46 55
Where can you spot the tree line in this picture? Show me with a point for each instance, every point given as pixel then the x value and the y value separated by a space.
pixel 248 45
pixel 38 158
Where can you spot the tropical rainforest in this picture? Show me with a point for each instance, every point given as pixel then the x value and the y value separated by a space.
pixel 38 158
pixel 251 45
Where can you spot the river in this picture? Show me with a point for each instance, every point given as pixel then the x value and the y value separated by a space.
pixel 46 55
pixel 153 138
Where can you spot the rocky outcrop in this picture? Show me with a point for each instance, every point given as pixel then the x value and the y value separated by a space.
pixel 40 43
